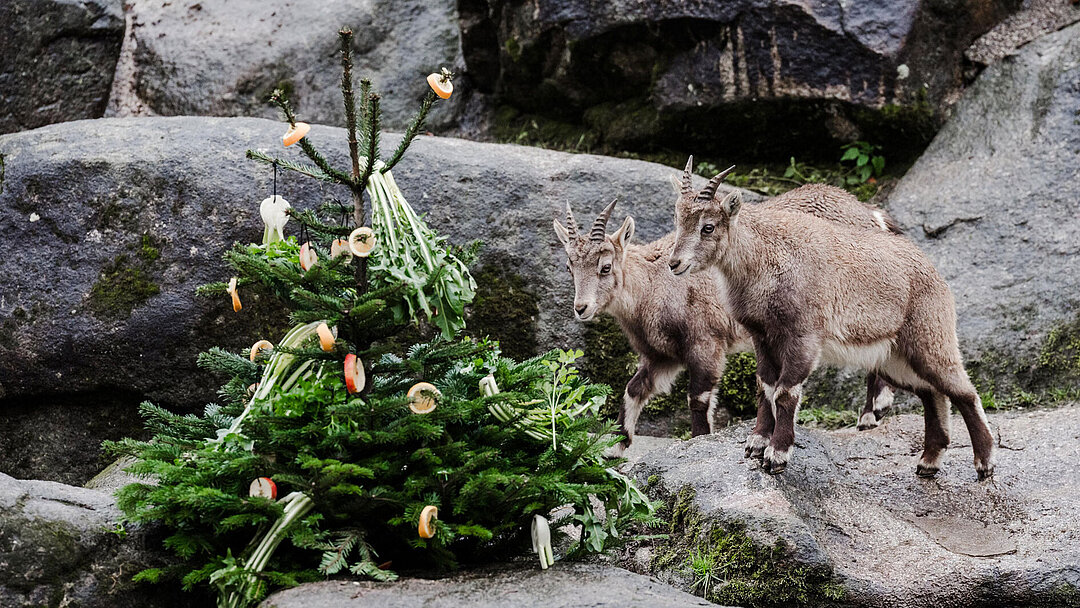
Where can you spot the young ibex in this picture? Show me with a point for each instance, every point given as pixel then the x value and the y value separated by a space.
pixel 811 291
pixel 675 323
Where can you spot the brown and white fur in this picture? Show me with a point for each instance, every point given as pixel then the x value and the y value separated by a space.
pixel 811 291
pixel 677 323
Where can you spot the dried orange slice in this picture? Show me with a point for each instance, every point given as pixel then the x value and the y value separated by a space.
pixel 263 487
pixel 295 133
pixel 426 529
pixel 440 83
pixel 236 306
pixel 258 347
pixel 308 258
pixel 326 337
pixel 422 397
pixel 354 374
pixel 362 241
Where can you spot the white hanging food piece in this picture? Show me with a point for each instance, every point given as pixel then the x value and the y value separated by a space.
pixel 308 258
pixel 258 347
pixel 327 336
pixel 354 374
pixel 362 241
pixel 274 212
pixel 430 514
pixel 541 540
pixel 422 397
pixel 341 247
pixel 236 305
pixel 295 133
pixel 263 487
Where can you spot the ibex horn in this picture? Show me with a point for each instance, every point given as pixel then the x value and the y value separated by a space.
pixel 571 225
pixel 600 225
pixel 710 191
pixel 687 185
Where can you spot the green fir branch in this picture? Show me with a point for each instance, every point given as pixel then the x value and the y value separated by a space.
pixel 414 128
pixel 302 169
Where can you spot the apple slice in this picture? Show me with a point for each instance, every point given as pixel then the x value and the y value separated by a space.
pixel 341 247
pixel 362 241
pixel 308 258
pixel 295 133
pixel 258 347
pixel 326 336
pixel 422 397
pixel 426 529
pixel 263 487
pixel 354 373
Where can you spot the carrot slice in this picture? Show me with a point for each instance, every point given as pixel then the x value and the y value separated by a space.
pixel 236 306
pixel 422 397
pixel 426 529
pixel 295 133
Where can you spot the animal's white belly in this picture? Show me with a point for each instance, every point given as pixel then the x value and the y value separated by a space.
pixel 879 356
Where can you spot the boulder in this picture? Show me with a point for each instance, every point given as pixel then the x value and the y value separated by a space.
pixel 64 546
pixel 563 585
pixel 110 225
pixel 993 201
pixel 690 74
pixel 59 59
pixel 1038 17
pixel 225 58
pixel 849 523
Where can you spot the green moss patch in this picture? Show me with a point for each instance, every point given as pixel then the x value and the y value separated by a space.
pixel 127 281
pixel 505 310
pixel 726 566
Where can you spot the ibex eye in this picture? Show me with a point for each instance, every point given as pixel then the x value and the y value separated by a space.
pixel 606 269
pixel 707 229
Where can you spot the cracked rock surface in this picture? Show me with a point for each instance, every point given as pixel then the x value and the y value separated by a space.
pixel 850 500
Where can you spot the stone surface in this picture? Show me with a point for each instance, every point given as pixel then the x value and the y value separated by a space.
pixel 850 501
pixel 224 58
pixel 115 260
pixel 1039 17
pixel 686 73
pixel 58 60
pixel 60 546
pixel 995 202
pixel 562 586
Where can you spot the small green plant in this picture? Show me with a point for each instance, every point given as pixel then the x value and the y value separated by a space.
pixel 867 161
pixel 704 570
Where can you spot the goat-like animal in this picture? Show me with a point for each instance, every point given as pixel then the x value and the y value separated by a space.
pixel 675 323
pixel 811 291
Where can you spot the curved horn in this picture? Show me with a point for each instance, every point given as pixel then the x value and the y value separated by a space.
pixel 600 225
pixel 710 191
pixel 571 225
pixel 687 186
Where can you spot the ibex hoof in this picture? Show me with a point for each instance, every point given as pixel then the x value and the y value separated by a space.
pixel 923 470
pixel 775 461
pixel 755 447
pixel 985 473
pixel 867 421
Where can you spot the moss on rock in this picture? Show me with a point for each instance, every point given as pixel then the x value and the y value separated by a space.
pixel 725 565
pixel 505 310
pixel 127 281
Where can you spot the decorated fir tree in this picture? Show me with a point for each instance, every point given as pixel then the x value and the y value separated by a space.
pixel 335 450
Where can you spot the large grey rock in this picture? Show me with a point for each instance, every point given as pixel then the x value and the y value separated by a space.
pixel 110 225
pixel 58 60
pixel 60 546
pixel 688 73
pixel 850 503
pixel 562 586
pixel 1038 17
pixel 224 58
pixel 995 202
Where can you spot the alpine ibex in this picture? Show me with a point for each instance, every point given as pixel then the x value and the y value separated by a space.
pixel 675 323
pixel 811 291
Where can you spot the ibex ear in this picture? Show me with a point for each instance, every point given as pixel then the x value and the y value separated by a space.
pixel 625 233
pixel 731 203
pixel 560 231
